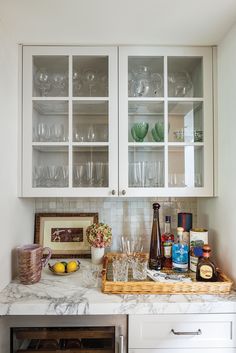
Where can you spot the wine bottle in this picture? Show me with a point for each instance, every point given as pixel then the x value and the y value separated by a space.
pixel 155 253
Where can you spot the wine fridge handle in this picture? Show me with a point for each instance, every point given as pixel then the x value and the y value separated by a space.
pixel 195 333
pixel 121 344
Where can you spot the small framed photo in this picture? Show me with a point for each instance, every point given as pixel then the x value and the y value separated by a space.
pixel 64 233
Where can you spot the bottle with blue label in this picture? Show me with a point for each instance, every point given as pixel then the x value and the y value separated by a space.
pixel 180 252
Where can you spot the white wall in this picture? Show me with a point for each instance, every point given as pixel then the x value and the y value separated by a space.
pixel 219 214
pixel 110 22
pixel 15 214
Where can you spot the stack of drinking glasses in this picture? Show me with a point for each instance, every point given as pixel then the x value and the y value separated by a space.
pixel 130 258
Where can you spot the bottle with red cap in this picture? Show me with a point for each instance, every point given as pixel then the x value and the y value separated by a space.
pixel 167 240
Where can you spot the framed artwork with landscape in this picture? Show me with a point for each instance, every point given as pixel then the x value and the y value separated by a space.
pixel 64 233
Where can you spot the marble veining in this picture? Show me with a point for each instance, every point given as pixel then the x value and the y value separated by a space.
pixel 79 294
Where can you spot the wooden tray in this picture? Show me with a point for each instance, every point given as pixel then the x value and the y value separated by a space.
pixel 222 286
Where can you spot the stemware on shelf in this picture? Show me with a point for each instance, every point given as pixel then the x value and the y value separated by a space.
pixel 59 83
pixel 139 131
pixel 57 132
pixel 42 132
pixel 90 173
pixel 42 81
pixel 79 174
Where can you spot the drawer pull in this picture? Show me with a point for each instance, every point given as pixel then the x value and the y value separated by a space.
pixel 182 333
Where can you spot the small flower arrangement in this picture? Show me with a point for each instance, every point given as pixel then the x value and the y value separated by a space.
pixel 99 235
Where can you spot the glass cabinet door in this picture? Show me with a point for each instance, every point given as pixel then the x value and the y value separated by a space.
pixel 166 120
pixel 70 121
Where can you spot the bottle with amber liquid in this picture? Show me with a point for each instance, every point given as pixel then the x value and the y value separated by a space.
pixel 167 240
pixel 155 254
pixel 206 269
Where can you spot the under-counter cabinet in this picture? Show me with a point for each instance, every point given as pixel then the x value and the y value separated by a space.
pixel 76 142
pixel 192 333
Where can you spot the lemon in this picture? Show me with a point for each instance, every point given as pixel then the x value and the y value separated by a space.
pixel 71 266
pixel 59 267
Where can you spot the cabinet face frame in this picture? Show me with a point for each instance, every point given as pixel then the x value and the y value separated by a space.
pixel 165 52
pixel 27 117
pixel 118 166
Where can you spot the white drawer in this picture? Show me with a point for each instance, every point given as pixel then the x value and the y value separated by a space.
pixel 182 331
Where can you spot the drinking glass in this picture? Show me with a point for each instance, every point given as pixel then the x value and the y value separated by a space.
pixel 90 172
pixel 63 178
pixel 140 174
pixel 139 267
pixel 131 247
pixel 42 132
pixel 151 174
pixel 37 176
pixel 91 137
pixel 77 83
pixel 139 131
pixel 57 132
pixel 79 174
pixel 157 84
pixel 90 81
pixel 99 168
pixel 53 174
pixel 59 83
pixel 176 180
pixel 120 267
pixel 42 82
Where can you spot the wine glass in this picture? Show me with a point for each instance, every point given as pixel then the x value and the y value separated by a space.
pixel 157 84
pixel 77 83
pixel 42 81
pixel 91 134
pixel 59 82
pixel 90 78
pixel 57 132
pixel 42 132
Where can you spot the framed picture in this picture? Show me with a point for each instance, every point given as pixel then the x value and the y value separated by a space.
pixel 64 233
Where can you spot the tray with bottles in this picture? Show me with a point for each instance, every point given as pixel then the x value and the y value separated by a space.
pixel 223 284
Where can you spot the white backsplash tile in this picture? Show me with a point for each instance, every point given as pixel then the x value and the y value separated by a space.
pixel 129 217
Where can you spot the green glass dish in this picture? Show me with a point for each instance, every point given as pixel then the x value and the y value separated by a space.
pixel 139 131
pixel 158 132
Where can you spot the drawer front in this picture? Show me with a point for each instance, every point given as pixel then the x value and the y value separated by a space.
pixel 182 331
pixel 179 350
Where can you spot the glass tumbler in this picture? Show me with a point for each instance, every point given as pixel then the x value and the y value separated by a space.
pixel 139 267
pixel 120 267
pixel 31 262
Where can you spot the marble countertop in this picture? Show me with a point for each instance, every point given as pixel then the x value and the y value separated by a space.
pixel 80 294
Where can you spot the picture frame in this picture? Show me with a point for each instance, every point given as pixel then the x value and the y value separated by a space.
pixel 64 233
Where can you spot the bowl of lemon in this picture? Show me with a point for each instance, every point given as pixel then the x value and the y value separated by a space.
pixel 64 268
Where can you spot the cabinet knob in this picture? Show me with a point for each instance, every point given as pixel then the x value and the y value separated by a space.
pixel 113 192
pixel 123 192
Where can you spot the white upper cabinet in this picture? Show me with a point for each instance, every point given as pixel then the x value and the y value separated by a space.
pixel 166 121
pixel 74 142
pixel 70 122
